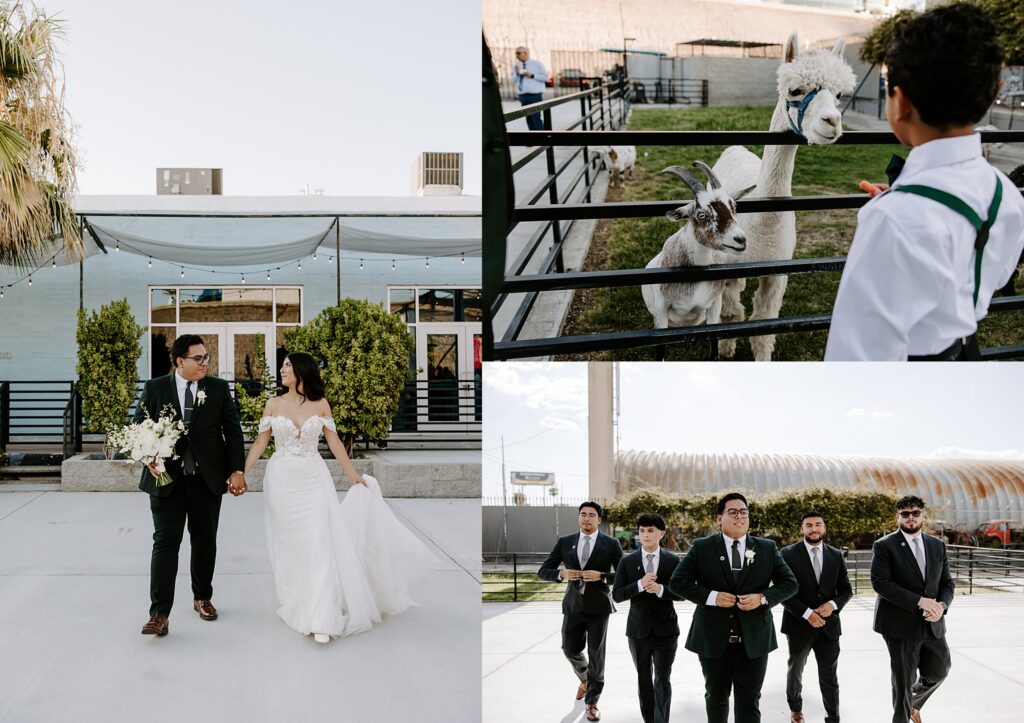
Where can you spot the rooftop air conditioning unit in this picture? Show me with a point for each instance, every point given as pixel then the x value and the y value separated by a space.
pixel 189 181
pixel 437 174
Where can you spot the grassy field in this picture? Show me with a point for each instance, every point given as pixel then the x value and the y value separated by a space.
pixel 632 243
pixel 500 587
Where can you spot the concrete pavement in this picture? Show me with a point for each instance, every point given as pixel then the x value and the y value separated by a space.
pixel 74 580
pixel 526 677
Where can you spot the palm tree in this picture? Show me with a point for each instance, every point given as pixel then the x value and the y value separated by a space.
pixel 37 158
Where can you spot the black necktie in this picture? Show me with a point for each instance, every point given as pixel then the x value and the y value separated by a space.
pixel 736 564
pixel 188 461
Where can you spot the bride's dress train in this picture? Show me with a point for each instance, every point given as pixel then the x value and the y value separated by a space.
pixel 338 567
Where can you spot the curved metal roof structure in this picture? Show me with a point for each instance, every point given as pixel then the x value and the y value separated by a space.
pixel 957 490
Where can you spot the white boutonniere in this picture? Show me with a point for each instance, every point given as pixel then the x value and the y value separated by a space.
pixel 750 556
pixel 200 398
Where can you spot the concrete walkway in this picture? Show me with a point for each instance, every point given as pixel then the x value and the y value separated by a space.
pixel 74 580
pixel 526 677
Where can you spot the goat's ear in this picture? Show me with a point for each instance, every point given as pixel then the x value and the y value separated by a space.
pixel 680 214
pixel 789 50
pixel 837 49
pixel 612 154
pixel 743 193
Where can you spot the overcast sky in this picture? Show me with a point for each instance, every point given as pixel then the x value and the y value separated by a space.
pixel 890 410
pixel 337 94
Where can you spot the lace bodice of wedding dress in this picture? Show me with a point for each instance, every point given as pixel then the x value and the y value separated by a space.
pixel 296 441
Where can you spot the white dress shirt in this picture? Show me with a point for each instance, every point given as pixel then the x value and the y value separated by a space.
pixel 526 84
pixel 654 561
pixel 728 559
pixel 821 560
pixel 181 382
pixel 908 284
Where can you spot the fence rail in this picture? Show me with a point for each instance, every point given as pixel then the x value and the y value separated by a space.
pixel 513 578
pixel 49 414
pixel 553 276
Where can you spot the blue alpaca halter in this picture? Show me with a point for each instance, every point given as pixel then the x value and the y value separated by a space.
pixel 801 106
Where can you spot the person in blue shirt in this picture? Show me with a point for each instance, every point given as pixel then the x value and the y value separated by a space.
pixel 529 77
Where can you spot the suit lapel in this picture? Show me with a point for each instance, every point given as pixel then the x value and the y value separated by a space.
pixel 196 405
pixel 574 555
pixel 805 562
pixel 172 387
pixel 748 547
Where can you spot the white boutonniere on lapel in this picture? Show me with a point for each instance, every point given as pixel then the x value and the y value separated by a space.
pixel 200 398
pixel 750 554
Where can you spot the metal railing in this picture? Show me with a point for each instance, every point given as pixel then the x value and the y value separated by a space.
pixel 600 108
pixel 32 413
pixel 552 276
pixel 973 569
pixel 690 92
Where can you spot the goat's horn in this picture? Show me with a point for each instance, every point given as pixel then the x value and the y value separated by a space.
pixel 712 178
pixel 688 178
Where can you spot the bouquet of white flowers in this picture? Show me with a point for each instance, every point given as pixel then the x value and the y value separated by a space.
pixel 150 442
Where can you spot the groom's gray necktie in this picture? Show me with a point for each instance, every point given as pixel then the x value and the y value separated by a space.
pixel 650 563
pixel 187 459
pixel 584 556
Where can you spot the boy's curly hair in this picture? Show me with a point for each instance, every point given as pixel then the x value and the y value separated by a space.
pixel 947 62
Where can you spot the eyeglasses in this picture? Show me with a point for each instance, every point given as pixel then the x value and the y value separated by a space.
pixel 737 513
pixel 199 359
pixel 588 514
pixel 910 513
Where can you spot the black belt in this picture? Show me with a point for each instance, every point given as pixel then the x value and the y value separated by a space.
pixel 960 350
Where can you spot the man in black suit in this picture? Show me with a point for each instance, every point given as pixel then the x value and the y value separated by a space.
pixel 589 558
pixel 651 628
pixel 910 573
pixel 211 462
pixel 734 579
pixel 811 617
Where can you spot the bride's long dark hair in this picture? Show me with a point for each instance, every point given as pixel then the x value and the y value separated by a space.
pixel 307 376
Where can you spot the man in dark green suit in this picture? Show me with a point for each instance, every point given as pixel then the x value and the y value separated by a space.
pixel 211 457
pixel 734 579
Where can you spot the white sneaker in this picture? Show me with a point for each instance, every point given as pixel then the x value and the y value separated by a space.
pixel 321 638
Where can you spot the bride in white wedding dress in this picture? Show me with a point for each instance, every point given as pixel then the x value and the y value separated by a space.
pixel 338 567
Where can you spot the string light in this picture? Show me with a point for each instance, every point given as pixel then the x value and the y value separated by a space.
pixel 150 264
pixel 117 246
pixel 268 274
pixel 330 259
pixel 1 293
pixel 29 280
pixel 54 262
pixel 360 264
pixel 428 262
pixel 392 264
pixel 314 256
pixel 183 272
pixel 300 264
pixel 462 259
pixel 243 278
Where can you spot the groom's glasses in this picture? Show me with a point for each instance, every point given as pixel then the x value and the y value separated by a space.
pixel 737 513
pixel 199 359
pixel 910 513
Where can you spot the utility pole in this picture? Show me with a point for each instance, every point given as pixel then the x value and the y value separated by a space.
pixel 504 501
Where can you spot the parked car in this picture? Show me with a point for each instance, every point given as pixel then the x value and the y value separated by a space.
pixel 1000 533
pixel 571 78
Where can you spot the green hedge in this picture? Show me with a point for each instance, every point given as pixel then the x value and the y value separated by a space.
pixel 854 519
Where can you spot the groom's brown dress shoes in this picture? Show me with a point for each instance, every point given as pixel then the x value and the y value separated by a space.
pixel 593 713
pixel 205 609
pixel 157 625
pixel 796 717
pixel 915 715
pixel 581 691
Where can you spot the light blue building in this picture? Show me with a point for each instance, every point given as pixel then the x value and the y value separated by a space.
pixel 233 268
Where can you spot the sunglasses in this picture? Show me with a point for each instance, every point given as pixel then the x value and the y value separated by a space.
pixel 909 513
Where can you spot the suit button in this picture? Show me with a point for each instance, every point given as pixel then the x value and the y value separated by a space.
pixel 730 615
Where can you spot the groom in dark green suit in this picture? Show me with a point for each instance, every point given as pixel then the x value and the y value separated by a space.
pixel 734 579
pixel 211 457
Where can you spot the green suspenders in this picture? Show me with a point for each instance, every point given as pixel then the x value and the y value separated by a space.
pixel 955 204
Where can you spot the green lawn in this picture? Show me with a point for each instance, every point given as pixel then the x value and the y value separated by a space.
pixel 499 587
pixel 819 170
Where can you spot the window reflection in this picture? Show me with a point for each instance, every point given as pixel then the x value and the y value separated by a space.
pixel 403 303
pixel 437 305
pixel 289 302
pixel 226 305
pixel 162 302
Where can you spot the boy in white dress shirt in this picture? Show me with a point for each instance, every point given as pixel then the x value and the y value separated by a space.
pixel 930 252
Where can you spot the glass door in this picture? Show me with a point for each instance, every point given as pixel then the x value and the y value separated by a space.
pixel 448 359
pixel 246 354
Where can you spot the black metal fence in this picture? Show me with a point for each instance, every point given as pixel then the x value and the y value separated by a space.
pixel 49 414
pixel 552 275
pixel 686 92
pixel 973 569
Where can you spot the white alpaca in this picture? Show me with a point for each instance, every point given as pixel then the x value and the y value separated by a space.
pixel 809 90
pixel 710 237
pixel 619 160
